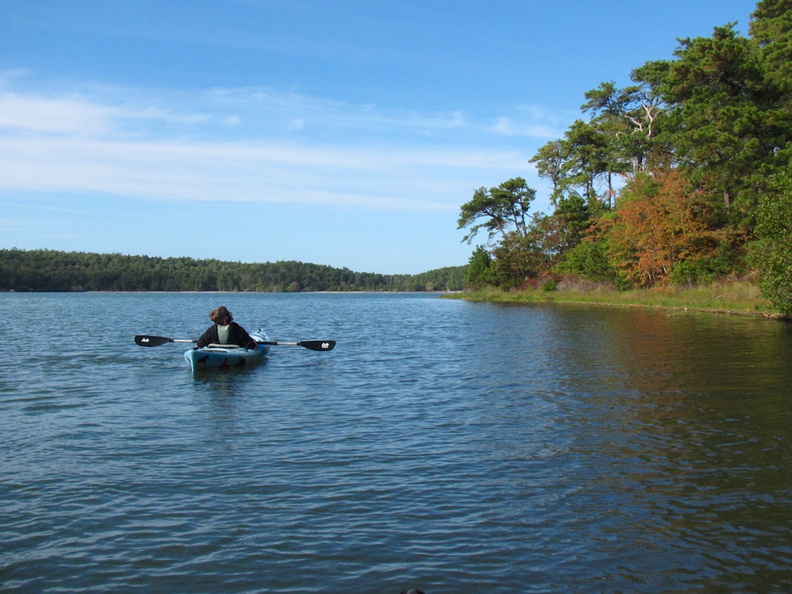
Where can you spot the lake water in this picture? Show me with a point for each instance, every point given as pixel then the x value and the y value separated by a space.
pixel 443 445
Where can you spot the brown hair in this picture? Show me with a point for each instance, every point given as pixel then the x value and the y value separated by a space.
pixel 220 315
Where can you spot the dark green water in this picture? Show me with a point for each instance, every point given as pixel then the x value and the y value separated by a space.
pixel 443 445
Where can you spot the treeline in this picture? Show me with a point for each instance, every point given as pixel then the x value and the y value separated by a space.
pixel 681 177
pixel 51 270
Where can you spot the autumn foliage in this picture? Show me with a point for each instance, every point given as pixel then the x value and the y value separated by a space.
pixel 660 222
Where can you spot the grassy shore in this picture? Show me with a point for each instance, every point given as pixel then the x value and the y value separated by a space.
pixel 736 297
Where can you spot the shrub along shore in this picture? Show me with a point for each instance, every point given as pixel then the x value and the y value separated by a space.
pixel 725 297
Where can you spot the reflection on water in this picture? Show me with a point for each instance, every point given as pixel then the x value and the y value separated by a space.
pixel 445 445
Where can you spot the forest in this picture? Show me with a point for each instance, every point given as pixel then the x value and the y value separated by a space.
pixel 680 178
pixel 51 270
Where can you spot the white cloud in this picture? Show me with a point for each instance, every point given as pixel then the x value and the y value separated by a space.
pixel 534 124
pixel 58 116
pixel 414 179
pixel 291 107
pixel 251 145
pixel 81 116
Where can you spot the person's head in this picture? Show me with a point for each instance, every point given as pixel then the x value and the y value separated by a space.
pixel 221 315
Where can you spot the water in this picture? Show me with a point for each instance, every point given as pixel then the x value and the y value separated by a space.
pixel 444 445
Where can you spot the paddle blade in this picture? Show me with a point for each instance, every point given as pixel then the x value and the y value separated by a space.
pixel 151 341
pixel 318 345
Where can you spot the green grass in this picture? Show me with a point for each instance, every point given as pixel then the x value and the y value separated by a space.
pixel 735 297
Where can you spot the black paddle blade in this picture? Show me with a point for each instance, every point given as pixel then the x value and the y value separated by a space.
pixel 318 345
pixel 151 341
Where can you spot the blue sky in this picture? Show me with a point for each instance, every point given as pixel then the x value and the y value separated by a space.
pixel 338 132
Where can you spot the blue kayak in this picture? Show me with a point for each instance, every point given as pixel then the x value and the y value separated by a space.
pixel 228 356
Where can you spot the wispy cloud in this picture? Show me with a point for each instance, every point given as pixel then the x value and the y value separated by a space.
pixel 56 116
pixel 257 106
pixel 78 115
pixel 535 122
pixel 250 145
pixel 402 179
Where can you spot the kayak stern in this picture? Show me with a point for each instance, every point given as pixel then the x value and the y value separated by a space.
pixel 228 357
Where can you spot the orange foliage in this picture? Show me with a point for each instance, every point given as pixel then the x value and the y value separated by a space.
pixel 659 221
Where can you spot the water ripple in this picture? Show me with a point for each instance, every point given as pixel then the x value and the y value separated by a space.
pixel 444 445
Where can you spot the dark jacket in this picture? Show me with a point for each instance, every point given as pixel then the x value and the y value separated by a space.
pixel 236 335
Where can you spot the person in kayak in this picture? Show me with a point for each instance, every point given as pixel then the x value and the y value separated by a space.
pixel 225 331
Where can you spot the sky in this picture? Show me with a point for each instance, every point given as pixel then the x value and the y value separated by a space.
pixel 339 132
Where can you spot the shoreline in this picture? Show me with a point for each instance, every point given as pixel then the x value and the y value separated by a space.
pixel 734 298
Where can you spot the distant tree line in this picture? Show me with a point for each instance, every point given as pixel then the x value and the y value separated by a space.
pixel 681 177
pixel 51 270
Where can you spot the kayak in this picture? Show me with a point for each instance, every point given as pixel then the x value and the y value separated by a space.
pixel 228 356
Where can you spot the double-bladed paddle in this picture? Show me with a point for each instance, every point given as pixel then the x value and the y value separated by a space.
pixel 314 345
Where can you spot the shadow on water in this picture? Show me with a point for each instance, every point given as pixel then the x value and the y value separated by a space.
pixel 226 377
